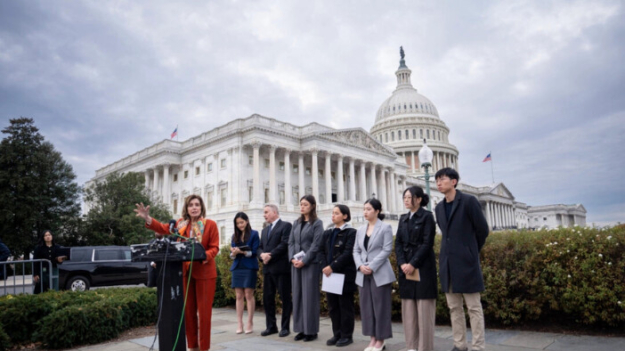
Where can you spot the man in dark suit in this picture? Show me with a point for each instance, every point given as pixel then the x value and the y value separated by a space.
pixel 273 252
pixel 464 229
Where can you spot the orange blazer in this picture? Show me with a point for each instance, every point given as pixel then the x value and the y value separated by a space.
pixel 210 241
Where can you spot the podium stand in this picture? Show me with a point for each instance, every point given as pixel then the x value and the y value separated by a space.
pixel 170 286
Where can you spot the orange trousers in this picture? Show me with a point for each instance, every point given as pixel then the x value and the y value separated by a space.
pixel 199 302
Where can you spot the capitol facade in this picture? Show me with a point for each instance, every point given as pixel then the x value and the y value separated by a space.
pixel 248 162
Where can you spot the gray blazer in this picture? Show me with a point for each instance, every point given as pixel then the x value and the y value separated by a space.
pixel 376 256
pixel 309 239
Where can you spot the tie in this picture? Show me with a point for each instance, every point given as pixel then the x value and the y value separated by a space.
pixel 269 231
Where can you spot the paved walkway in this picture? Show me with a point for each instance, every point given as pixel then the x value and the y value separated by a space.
pixel 224 338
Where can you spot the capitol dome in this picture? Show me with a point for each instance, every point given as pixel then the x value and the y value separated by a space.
pixel 406 119
pixel 405 99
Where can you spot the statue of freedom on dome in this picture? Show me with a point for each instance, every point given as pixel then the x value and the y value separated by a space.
pixel 401 52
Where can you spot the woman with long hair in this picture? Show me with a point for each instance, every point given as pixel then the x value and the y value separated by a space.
pixel 374 244
pixel 337 255
pixel 244 268
pixel 305 244
pixel 414 249
pixel 49 250
pixel 201 287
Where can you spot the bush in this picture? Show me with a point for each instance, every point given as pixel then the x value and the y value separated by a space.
pixel 5 341
pixel 81 317
pixel 572 277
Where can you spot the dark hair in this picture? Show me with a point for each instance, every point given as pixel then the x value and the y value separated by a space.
pixel 187 201
pixel 41 241
pixel 417 192
pixel 345 211
pixel 312 216
pixel 239 236
pixel 449 173
pixel 377 205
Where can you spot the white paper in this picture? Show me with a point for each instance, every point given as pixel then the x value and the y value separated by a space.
pixel 299 256
pixel 333 284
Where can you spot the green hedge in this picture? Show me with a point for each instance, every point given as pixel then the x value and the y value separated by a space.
pixel 5 341
pixel 572 277
pixel 79 317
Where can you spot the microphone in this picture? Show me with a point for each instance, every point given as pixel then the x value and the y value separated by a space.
pixel 172 227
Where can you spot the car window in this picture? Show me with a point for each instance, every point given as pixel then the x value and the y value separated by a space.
pixel 126 254
pixel 107 255
pixel 80 255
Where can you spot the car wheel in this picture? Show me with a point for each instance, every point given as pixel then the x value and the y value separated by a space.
pixel 78 283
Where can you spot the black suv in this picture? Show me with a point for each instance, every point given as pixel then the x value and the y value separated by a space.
pixel 100 266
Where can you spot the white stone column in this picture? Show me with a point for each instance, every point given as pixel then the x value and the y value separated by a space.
pixel 216 189
pixel 393 192
pixel 236 169
pixel 328 177
pixel 415 166
pixel 363 182
pixel 374 185
pixel 287 180
pixel 315 174
pixel 488 215
pixel 403 188
pixel 438 160
pixel 341 184
pixel 302 183
pixel 147 179
pixel 256 201
pixel 166 185
pixel 352 180
pixel 272 175
pixel 155 189
pixel 383 189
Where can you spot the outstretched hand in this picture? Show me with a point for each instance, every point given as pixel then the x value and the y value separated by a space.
pixel 143 211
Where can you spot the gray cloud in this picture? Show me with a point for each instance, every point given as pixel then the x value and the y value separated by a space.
pixel 538 84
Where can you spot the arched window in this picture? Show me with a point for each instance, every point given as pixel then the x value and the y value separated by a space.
pixel 439 135
pixel 407 136
pixel 421 133
pixel 392 136
pixel 399 135
pixel 428 134
pixel 414 133
pixel 386 137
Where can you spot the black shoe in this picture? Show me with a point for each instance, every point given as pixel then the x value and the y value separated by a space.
pixel 344 342
pixel 310 337
pixel 332 341
pixel 268 332
pixel 284 332
pixel 300 336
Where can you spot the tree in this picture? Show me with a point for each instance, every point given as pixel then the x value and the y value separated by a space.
pixel 37 187
pixel 111 219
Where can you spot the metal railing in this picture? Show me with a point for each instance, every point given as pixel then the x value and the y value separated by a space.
pixel 15 279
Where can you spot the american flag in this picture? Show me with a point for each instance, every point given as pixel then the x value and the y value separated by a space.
pixel 487 158
pixel 176 133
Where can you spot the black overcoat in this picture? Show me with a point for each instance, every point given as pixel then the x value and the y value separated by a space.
pixel 414 244
pixel 342 256
pixel 463 237
pixel 277 246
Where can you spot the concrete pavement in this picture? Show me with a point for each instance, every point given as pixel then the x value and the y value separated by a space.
pixel 224 338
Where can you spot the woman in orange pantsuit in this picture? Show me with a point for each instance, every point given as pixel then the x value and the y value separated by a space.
pixel 203 274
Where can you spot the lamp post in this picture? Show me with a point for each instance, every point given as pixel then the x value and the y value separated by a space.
pixel 425 157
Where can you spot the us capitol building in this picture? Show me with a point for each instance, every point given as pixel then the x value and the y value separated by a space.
pixel 251 161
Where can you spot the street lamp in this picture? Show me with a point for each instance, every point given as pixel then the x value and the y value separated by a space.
pixel 425 157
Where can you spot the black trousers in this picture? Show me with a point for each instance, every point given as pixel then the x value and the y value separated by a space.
pixel 280 283
pixel 342 313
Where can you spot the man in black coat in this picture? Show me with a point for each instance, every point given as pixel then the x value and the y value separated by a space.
pixel 464 229
pixel 273 252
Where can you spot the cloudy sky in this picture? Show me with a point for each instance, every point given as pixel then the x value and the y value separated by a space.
pixel 540 84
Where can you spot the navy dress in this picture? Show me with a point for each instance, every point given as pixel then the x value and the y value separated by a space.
pixel 244 268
